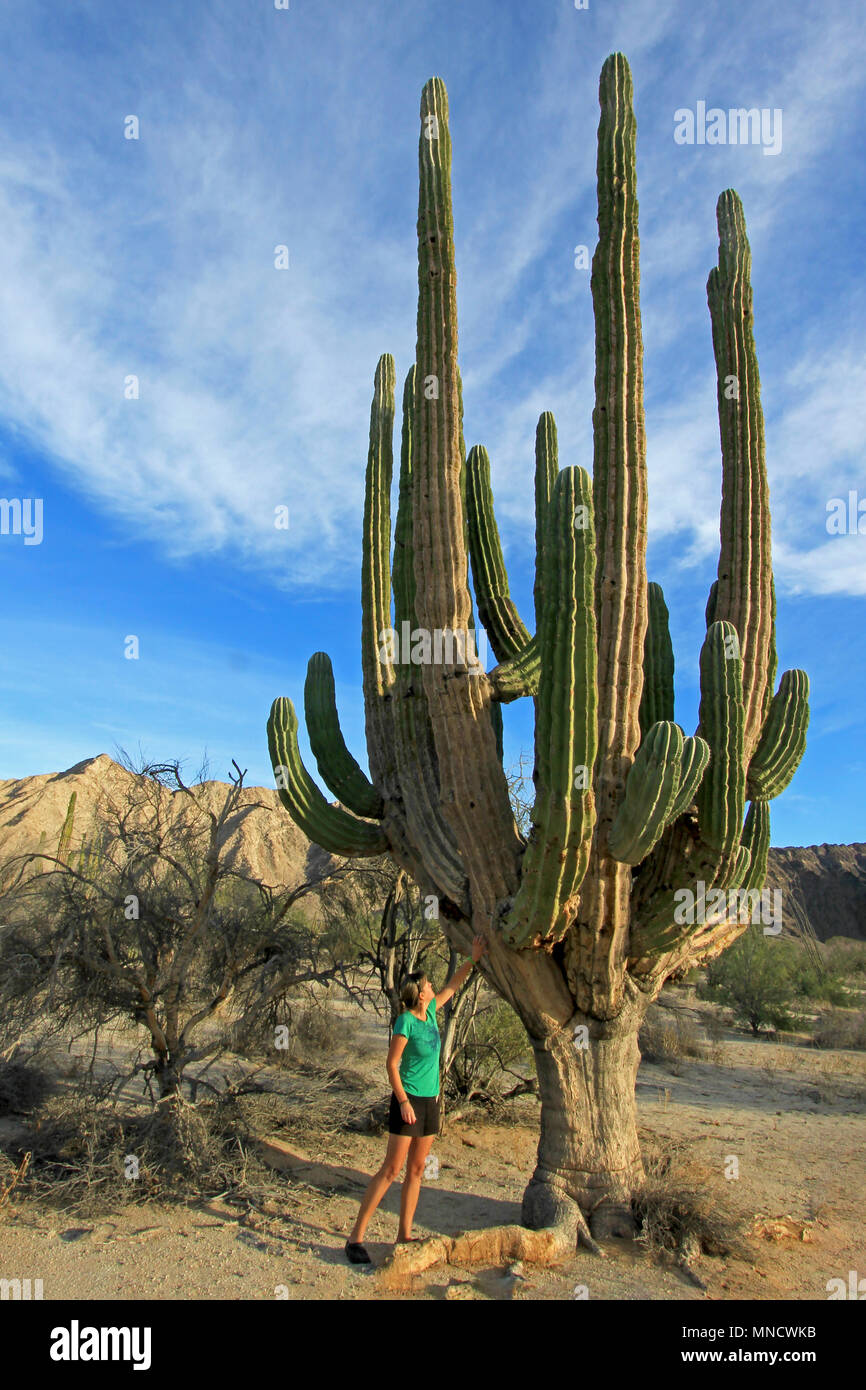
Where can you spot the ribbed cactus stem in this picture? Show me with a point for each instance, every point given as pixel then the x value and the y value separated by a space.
pixel 565 726
pixel 440 557
pixel 620 504
pixel 619 459
pixel 663 777
pixel 756 839
pixel 722 794
pixel 650 792
pixel 473 790
pixel 337 767
pixel 334 829
pixel 414 749
pixel 497 612
pixel 403 571
pixel 657 699
pixel 65 839
pixel 546 469
pixel 745 584
pixel 696 755
pixel 376 664
pixel 783 738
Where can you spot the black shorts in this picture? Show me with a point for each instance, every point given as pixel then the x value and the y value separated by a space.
pixel 426 1116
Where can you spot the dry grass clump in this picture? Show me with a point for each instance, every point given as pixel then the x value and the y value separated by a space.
pixel 670 1040
pixel 305 1032
pixel 24 1086
pixel 91 1158
pixel 841 1028
pixel 682 1207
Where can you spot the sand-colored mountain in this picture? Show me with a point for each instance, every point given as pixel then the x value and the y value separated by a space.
pixel 261 840
pixel 825 882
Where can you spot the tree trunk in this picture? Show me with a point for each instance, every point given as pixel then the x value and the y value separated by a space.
pixel 588 1151
pixel 168 1075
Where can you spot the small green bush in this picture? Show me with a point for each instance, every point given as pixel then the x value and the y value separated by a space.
pixel 496 1050
pixel 755 979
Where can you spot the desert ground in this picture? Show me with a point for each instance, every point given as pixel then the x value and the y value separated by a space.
pixel 790 1116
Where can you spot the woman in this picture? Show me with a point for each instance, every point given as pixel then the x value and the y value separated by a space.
pixel 413 1122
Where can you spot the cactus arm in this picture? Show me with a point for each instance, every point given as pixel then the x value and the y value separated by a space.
pixel 709 852
pixel 336 830
pixel 722 793
pixel 403 571
pixel 546 469
pixel 415 752
pixel 740 864
pixel 657 698
pixel 497 612
pixel 619 459
pixel 512 680
pixel 66 831
pixel 376 652
pixel 620 507
pixel 650 793
pixel 756 839
pixel 783 739
pixel 337 767
pixel 696 756
pixel 712 600
pixel 662 778
pixel 473 789
pixel 745 595
pixel 566 734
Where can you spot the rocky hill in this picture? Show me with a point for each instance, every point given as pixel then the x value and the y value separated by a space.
pixel 827 884
pixel 824 883
pixel 262 841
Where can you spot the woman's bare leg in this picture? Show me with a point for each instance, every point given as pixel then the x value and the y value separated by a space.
pixel 418 1152
pixel 395 1157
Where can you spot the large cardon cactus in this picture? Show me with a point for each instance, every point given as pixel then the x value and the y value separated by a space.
pixel 631 816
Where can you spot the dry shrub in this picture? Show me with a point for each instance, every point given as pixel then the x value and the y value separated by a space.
pixel 670 1040
pixel 321 1030
pixel 682 1205
pixel 715 1028
pixel 844 1028
pixel 23 1087
pixel 91 1158
pixel 313 1031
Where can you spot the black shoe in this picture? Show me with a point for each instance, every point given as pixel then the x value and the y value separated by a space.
pixel 357 1254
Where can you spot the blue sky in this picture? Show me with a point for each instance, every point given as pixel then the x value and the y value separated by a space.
pixel 260 127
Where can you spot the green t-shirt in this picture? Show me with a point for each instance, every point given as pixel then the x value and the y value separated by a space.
pixel 419 1064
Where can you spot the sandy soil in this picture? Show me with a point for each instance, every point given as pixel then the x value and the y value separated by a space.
pixel 792 1117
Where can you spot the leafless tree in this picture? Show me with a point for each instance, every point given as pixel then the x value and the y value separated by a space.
pixel 157 923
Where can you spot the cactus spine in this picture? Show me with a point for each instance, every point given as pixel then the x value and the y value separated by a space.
pixel 580 921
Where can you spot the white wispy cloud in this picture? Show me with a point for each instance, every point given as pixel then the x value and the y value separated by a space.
pixel 156 258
